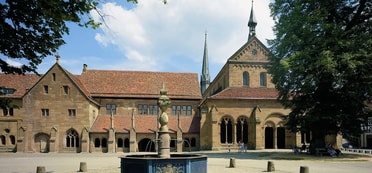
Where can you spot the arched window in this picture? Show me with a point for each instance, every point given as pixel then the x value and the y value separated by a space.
pixel 242 130
pixel 226 130
pixel 263 79
pixel 72 139
pixel 193 142
pixel 126 143
pixel 104 143
pixel 12 139
pixel 97 143
pixel 3 141
pixel 245 78
pixel 186 142
pixel 120 143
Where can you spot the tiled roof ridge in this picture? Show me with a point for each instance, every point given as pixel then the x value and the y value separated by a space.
pixel 136 71
pixel 229 93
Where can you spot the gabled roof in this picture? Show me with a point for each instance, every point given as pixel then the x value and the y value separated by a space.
pixel 21 83
pixel 144 124
pixel 74 80
pixel 246 93
pixel 110 83
pixel 252 43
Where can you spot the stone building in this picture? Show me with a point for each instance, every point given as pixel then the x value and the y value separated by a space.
pixel 240 104
pixel 116 111
pixel 98 111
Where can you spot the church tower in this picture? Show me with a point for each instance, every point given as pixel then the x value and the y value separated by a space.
pixel 204 77
pixel 252 24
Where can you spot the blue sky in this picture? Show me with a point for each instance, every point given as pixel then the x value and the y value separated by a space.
pixel 151 36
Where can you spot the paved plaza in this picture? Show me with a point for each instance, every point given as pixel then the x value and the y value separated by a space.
pixel 218 162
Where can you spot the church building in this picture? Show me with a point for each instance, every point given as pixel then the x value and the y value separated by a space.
pixel 117 111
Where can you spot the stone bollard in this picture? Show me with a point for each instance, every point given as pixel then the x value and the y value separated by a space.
pixel 83 167
pixel 304 169
pixel 40 169
pixel 270 166
pixel 232 163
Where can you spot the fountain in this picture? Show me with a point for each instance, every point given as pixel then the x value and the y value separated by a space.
pixel 164 161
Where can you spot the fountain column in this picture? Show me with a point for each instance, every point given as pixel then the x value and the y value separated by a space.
pixel 164 138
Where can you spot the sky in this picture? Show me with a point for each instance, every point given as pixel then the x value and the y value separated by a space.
pixel 152 36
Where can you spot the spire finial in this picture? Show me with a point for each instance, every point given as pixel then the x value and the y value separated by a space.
pixel 205 78
pixel 252 24
pixel 57 58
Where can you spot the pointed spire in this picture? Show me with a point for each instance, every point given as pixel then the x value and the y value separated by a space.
pixel 252 24
pixel 205 78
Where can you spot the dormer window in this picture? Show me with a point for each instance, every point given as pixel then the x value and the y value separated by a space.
pixel 4 91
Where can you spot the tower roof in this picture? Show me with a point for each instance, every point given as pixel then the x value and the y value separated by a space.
pixel 252 24
pixel 205 77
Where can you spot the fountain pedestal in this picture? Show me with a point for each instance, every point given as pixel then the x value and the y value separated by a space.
pixel 177 163
pixel 164 144
pixel 164 162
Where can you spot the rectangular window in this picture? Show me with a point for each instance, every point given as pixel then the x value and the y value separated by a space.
pixel 46 89
pixel 153 110
pixel 176 109
pixel 44 112
pixel 184 109
pixel 110 109
pixel 189 110
pixel 72 112
pixel 140 109
pixel 54 77
pixel 66 89
pixel 145 111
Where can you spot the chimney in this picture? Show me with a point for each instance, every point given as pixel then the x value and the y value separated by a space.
pixel 85 67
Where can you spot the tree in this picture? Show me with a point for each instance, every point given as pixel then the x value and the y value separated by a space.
pixel 33 29
pixel 321 64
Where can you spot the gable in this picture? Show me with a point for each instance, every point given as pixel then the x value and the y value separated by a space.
pixel 252 51
pixel 58 81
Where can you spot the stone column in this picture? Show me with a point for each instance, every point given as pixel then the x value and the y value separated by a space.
pixel 164 138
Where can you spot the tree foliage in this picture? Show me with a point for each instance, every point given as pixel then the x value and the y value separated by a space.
pixel 33 29
pixel 321 63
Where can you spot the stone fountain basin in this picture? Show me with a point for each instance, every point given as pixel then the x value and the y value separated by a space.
pixel 151 163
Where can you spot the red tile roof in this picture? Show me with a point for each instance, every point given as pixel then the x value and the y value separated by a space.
pixel 108 83
pixel 145 124
pixel 19 82
pixel 246 93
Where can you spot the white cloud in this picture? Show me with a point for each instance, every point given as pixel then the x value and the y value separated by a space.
pixel 152 34
pixel 13 63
